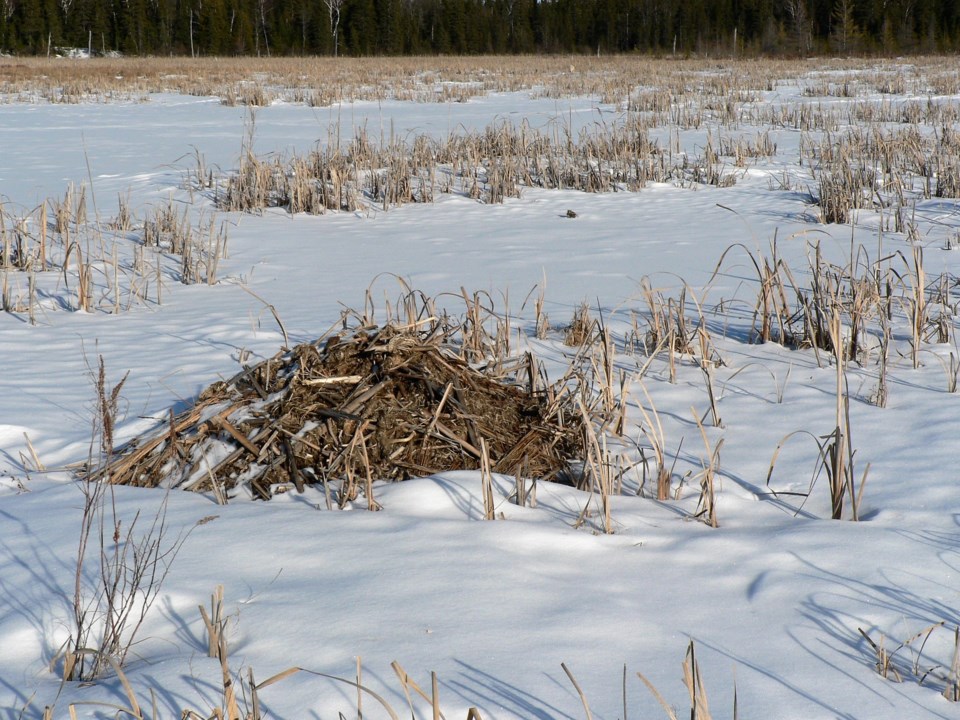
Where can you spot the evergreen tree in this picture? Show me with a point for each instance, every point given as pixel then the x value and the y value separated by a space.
pixel 32 29
pixel 844 32
pixel 389 27
pixel 134 27
pixel 367 27
pixel 6 25
pixel 360 24
pixel 86 24
pixel 211 27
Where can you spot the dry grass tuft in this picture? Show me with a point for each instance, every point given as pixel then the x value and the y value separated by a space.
pixel 581 328
pixel 693 681
pixel 921 668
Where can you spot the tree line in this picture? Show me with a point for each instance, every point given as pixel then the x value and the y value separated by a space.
pixel 398 27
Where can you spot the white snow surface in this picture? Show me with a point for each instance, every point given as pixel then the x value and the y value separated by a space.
pixel 772 599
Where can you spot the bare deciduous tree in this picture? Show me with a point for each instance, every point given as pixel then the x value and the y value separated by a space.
pixel 262 22
pixel 906 23
pixel 334 7
pixel 800 19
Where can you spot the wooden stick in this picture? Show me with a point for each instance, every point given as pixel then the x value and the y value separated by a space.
pixel 436 413
pixel 238 436
pixel 466 445
pixel 33 453
pixel 342 380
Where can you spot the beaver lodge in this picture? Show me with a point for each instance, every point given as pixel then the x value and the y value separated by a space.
pixel 371 403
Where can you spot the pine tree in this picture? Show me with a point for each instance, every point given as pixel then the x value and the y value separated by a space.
pixel 844 31
pixel 360 22
pixel 6 25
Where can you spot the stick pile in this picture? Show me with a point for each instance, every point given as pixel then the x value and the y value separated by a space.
pixel 374 403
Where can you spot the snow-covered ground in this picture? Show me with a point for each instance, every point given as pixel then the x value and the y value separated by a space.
pixel 773 599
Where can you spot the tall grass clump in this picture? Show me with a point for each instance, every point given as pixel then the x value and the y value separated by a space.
pixel 835 450
pixel 120 566
pixel 490 166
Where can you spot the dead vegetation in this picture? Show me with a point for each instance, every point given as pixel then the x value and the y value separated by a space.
pixel 57 256
pixel 489 165
pixel 365 404
pixel 879 169
pixel 237 695
pixel 920 668
pixel 727 87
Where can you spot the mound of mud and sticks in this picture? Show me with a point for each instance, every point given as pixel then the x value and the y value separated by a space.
pixel 368 404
